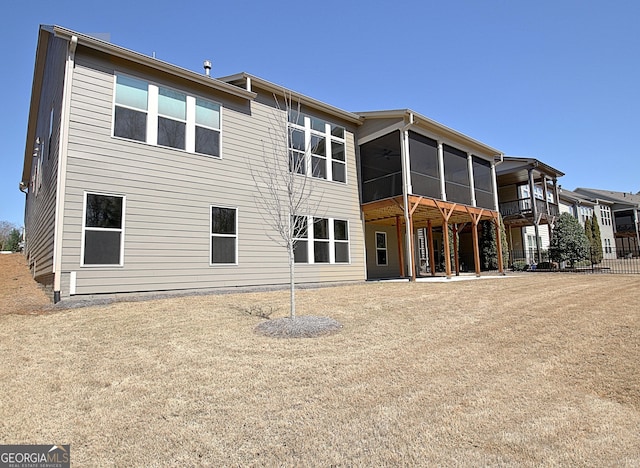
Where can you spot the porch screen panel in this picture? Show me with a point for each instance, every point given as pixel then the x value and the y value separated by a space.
pixel 381 168
pixel 482 182
pixel 456 175
pixel 423 156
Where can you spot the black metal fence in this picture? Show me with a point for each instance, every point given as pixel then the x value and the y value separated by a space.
pixel 609 260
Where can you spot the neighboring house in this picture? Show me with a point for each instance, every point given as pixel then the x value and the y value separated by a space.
pixel 582 207
pixel 528 194
pixel 621 211
pixel 137 175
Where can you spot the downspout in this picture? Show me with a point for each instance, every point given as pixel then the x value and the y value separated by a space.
pixel 406 188
pixel 62 168
pixel 635 218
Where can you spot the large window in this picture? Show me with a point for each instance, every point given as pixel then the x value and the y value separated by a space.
pixel 162 116
pixel 326 242
pixel 172 118
pixel 316 147
pixel 132 102
pixel 224 236
pixel 605 215
pixel 103 230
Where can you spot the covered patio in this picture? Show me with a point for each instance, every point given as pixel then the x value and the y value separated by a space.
pixel 431 213
pixel 419 176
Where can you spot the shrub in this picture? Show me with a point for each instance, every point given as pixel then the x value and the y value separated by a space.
pixel 520 265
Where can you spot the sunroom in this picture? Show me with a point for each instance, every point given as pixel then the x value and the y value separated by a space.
pixel 427 192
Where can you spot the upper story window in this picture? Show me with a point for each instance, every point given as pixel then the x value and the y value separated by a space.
pixel 162 116
pixel 316 147
pixel 605 215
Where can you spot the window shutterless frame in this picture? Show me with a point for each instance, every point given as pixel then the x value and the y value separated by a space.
pixel 382 258
pixel 224 232
pixel 137 103
pixel 95 234
pixel 324 241
pixel 324 147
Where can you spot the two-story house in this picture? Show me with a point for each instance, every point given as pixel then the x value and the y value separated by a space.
pixel 582 208
pixel 528 194
pixel 621 211
pixel 141 176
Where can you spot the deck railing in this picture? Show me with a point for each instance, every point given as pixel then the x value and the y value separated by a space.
pixel 522 206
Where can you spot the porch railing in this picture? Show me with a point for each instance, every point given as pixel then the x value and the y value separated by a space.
pixel 522 206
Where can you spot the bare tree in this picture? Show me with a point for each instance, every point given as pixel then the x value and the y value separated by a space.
pixel 6 231
pixel 283 183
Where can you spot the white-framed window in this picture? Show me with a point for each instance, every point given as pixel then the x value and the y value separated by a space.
pixel 605 215
pixel 327 241
pixel 301 239
pixel 103 230
pixel 158 115
pixel 224 236
pixel 607 246
pixel 316 147
pixel 381 249
pixel 172 118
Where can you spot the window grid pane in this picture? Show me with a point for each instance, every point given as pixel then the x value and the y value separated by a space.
pixel 131 92
pixel 172 104
pixel 207 114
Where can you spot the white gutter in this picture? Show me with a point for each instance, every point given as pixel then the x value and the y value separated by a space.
pixel 62 168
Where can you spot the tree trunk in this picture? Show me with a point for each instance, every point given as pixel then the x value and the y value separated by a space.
pixel 292 283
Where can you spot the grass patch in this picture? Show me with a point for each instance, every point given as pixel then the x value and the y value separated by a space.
pixel 533 370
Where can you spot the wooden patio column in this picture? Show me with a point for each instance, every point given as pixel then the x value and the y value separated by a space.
pixel 400 250
pixel 413 248
pixel 432 258
pixel 456 259
pixel 446 215
pixel 447 252
pixel 496 221
pixel 475 221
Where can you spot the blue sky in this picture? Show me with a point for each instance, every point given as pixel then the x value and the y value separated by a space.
pixel 555 80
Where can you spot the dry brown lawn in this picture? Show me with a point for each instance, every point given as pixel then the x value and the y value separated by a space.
pixel 538 369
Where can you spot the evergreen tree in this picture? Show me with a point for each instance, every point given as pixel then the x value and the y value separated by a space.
pixel 596 241
pixel 589 233
pixel 489 245
pixel 13 242
pixel 568 242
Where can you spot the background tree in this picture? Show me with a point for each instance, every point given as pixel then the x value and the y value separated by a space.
pixel 284 197
pixel 13 242
pixel 9 236
pixel 568 241
pixel 596 241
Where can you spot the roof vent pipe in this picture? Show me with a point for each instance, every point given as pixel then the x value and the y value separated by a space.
pixel 207 67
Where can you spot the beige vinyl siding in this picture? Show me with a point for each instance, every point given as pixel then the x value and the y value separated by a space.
pixel 372 126
pixel 169 193
pixel 392 269
pixel 40 205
